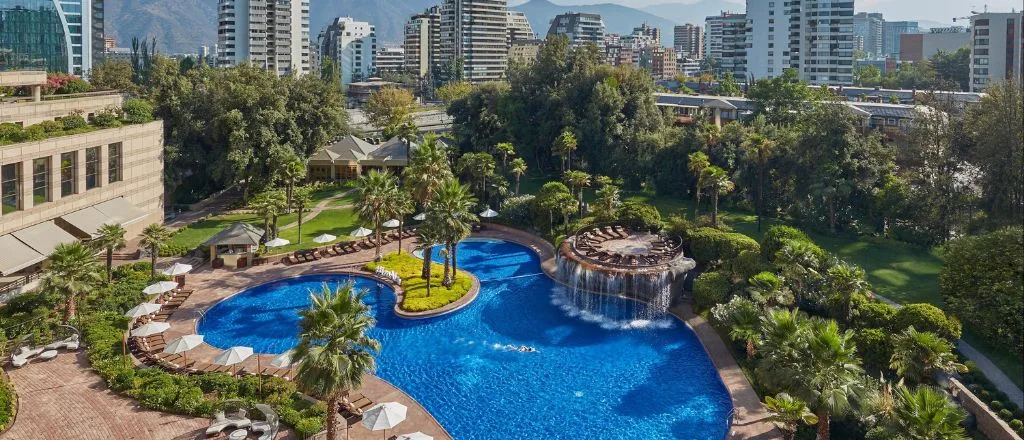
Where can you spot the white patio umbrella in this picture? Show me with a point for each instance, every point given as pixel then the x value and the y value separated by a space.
pixel 361 232
pixel 233 356
pixel 150 329
pixel 283 360
pixel 277 242
pixel 489 213
pixel 182 345
pixel 143 310
pixel 324 238
pixel 414 436
pixel 159 287
pixel 420 217
pixel 177 269
pixel 384 416
pixel 393 223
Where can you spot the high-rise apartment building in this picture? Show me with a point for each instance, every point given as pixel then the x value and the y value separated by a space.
pixel 581 28
pixel 688 41
pixel 867 32
pixel 60 36
pixel 891 32
pixel 815 37
pixel 519 27
pixel 475 34
pixel 272 34
pixel 652 33
pixel 725 43
pixel 389 60
pixel 660 61
pixel 997 49
pixel 422 42
pixel 352 46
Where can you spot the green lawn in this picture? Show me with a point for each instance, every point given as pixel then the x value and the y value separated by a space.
pixel 338 222
pixel 198 232
pixel 409 268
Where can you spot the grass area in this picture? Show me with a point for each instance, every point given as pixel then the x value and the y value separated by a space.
pixel 1006 360
pixel 196 233
pixel 338 222
pixel 409 269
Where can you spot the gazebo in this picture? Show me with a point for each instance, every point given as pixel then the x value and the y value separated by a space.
pixel 235 245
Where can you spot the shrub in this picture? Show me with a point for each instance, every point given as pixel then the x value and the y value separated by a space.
pixel 775 238
pixel 875 348
pixel 33 133
pixel 1017 425
pixel 995 405
pixel 875 314
pixel 680 226
pixel 746 264
pixel 74 121
pixel 137 111
pixel 51 127
pixel 1005 414
pixel 10 132
pixel 708 244
pixel 710 289
pixel 8 399
pixel 318 409
pixel 107 118
pixel 308 427
pixel 518 210
pixel 639 215
pixel 927 318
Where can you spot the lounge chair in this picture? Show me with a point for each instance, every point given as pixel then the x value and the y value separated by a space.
pixel 221 422
pixel 21 357
pixel 69 343
pixel 268 427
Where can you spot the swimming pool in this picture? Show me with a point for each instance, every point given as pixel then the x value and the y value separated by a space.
pixel 586 381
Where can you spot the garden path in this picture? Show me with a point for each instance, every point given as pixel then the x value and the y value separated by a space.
pixel 320 207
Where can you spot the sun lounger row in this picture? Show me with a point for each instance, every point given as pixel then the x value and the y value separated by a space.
pixel 348 247
pixel 23 355
pixel 353 406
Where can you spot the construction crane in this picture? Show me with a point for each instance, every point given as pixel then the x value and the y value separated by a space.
pixel 968 18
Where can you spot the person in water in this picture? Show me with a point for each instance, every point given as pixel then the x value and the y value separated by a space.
pixel 525 349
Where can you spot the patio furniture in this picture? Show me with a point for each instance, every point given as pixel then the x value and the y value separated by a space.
pixel 238 434
pixel 221 422
pixel 21 357
pixel 268 427
pixel 48 354
pixel 69 343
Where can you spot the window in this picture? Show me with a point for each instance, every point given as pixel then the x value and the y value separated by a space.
pixel 10 187
pixel 981 61
pixel 40 181
pixel 92 168
pixel 114 162
pixel 68 170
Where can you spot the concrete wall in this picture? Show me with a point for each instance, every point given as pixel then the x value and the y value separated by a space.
pixel 16 78
pixel 141 183
pixel 28 113
pixel 988 422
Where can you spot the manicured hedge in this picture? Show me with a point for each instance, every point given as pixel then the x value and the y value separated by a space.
pixel 776 237
pixel 709 244
pixel 639 215
pixel 874 345
pixel 710 289
pixel 875 314
pixel 926 318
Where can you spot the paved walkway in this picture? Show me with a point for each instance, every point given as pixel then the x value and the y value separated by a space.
pixel 320 207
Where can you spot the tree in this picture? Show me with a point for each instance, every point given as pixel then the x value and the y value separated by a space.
pixel 154 237
pixel 760 147
pixel 376 198
pixel 269 205
pixel 577 180
pixel 780 98
pixel 334 351
pixel 450 215
pixel 727 85
pixel 867 76
pixel 330 73
pixel 799 264
pixel 697 163
pixel 111 238
pixel 563 147
pixel 73 273
pixel 291 173
pixel 997 150
pixel 518 169
pixel 844 284
pixel 506 150
pixel 832 382
pixel 427 171
pixel 917 356
pixel 934 168
pixel 302 197
pixel 552 198
pixel 112 75
pixel 389 108
pixel 768 290
pixel 744 324
pixel 788 412
pixel 952 69
pixel 427 235
pixel 717 180
pixel 454 91
pixel 927 414
pixel 401 206
pixel 606 206
pixel 478 168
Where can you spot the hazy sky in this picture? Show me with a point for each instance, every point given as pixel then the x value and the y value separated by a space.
pixel 941 11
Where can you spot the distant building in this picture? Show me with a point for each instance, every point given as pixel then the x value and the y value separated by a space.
pixel 660 61
pixel 475 32
pixel 997 49
pixel 688 41
pixel 65 36
pixel 519 27
pixel 687 67
pixel 109 43
pixel 422 42
pixel 389 60
pixel 524 51
pixel 891 36
pixel 617 54
pixel 359 91
pixel 867 31
pixel 725 43
pixel 581 28
pixel 272 34
pixel 653 33
pixel 917 47
pixel 350 157
pixel 118 54
pixel 351 45
pixel 780 36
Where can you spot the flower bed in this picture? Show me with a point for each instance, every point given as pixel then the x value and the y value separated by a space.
pixel 415 299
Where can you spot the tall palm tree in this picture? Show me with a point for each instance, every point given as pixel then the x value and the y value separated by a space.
pixel 401 205
pixel 717 180
pixel 302 197
pixel 291 173
pixel 73 273
pixel 154 237
pixel 927 414
pixel 428 169
pixel 916 356
pixel 426 236
pixel 477 167
pixel 759 146
pixel 577 180
pixel 376 196
pixel 788 412
pixel 518 169
pixel 269 205
pixel 564 145
pixel 832 382
pixel 506 150
pixel 334 351
pixel 111 238
pixel 451 212
pixel 696 164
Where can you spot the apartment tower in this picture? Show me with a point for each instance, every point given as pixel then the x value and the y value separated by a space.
pixel 56 36
pixel 352 46
pixel 422 42
pixel 272 34
pixel 867 31
pixel 997 49
pixel 725 43
pixel 474 33
pixel 519 27
pixel 815 37
pixel 581 28
pixel 688 41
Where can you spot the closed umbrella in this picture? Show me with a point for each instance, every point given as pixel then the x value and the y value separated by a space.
pixel 150 329
pixel 232 356
pixel 182 345
pixel 277 242
pixel 159 287
pixel 283 360
pixel 324 238
pixel 384 416
pixel 393 223
pixel 414 436
pixel 143 310
pixel 489 213
pixel 177 269
pixel 361 232
pixel 420 217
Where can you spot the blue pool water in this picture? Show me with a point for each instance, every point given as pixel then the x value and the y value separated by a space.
pixel 586 381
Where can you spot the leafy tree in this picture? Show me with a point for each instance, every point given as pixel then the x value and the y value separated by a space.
pixel 478 168
pixel 563 147
pixel 506 150
pixel 927 414
pixel 454 91
pixel 919 355
pixel 759 146
pixel 330 73
pixel 788 412
pixel 717 180
pixel 552 198
pixel 577 180
pixel 389 108
pixel 137 111
pixel 451 216
pixel 479 120
pixel 867 76
pixel 112 75
pixel 269 205
pixel 938 196
pixel 727 85
pixel 518 169
pixel 952 69
pixel 608 201
pixel 73 273
pixel 334 351
pixel 154 237
pixel 111 238
pixel 779 98
pixel 376 192
pixel 997 150
pixel 302 197
pixel 698 162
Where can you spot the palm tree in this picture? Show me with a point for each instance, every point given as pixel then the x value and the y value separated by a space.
pixel 607 204
pixel 301 198
pixel 291 173
pixel 718 181
pixel 111 238
pixel 506 150
pixel 744 323
pixel 564 145
pixel 927 414
pixel 798 263
pixel 783 346
pixel 451 214
pixel 767 289
pixel 426 236
pixel 376 196
pixel 844 283
pixel 696 164
pixel 334 351
pixel 577 180
pixel 832 382
pixel 154 237
pixel 428 169
pixel 477 167
pixel 760 147
pixel 918 355
pixel 269 205
pixel 788 412
pixel 73 273
pixel 401 205
pixel 709 134
pixel 518 169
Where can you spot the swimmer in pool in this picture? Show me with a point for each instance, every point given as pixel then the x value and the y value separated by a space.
pixel 525 349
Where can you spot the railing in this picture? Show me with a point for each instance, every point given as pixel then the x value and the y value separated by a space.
pixel 7 288
pixel 675 251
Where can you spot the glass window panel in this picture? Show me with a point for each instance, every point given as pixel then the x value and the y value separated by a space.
pixel 68 170
pixel 33 36
pixel 40 181
pixel 10 187
pixel 114 163
pixel 92 168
